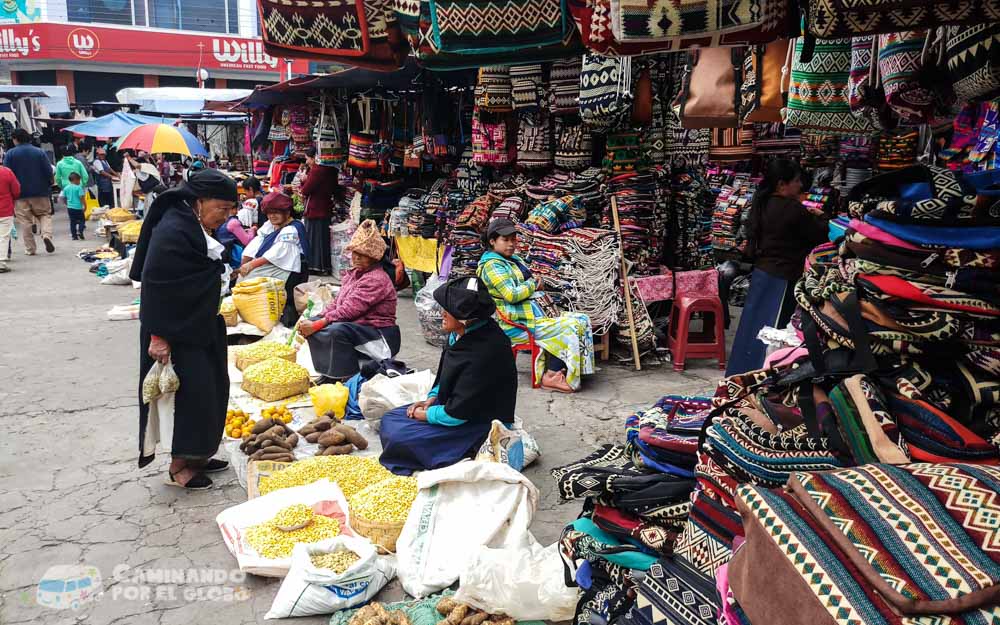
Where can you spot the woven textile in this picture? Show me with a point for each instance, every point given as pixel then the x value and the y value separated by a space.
pixel 827 19
pixel 900 67
pixel 860 91
pixel 697 22
pixel 673 593
pixel 493 89
pixel 341 26
pixel 490 141
pixel 489 26
pixel 534 142
pixel 973 55
pixel 527 87
pixel 686 146
pixel 873 544
pixel 818 95
pixel 575 148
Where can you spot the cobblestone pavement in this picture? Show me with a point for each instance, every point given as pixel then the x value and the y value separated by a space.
pixel 71 493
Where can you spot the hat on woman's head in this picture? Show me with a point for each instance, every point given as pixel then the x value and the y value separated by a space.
pixel 275 201
pixel 208 184
pixel 367 241
pixel 465 299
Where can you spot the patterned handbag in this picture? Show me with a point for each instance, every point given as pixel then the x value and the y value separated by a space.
pixel 564 86
pixel 493 89
pixel 973 55
pixel 361 151
pixel 830 19
pixel 862 90
pixel 527 89
pixel 901 60
pixel 605 90
pixel 489 141
pixel 575 148
pixel 817 97
pixel 534 142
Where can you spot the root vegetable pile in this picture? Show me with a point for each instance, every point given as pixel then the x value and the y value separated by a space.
pixel 376 614
pixel 297 523
pixel 388 501
pixel 456 613
pixel 336 561
pixel 334 439
pixel 270 439
pixel 351 473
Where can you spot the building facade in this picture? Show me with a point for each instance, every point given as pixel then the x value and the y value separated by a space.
pixel 96 47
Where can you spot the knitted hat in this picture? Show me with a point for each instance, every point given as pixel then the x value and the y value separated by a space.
pixel 367 241
pixel 465 299
pixel 276 201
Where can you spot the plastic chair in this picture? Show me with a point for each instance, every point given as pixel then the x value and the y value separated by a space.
pixel 531 347
pixel 710 342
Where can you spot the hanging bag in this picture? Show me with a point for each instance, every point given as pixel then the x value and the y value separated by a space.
pixel 762 96
pixel 818 94
pixel 575 149
pixel 830 19
pixel 534 142
pixel 902 58
pixel 665 25
pixel 470 28
pixel 489 140
pixel 361 151
pixel 973 55
pixel 493 89
pixel 605 90
pixel 710 96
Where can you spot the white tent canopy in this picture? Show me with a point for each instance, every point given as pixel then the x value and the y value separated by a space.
pixel 177 100
pixel 55 100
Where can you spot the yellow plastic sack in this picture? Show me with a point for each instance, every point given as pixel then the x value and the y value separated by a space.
pixel 260 301
pixel 329 399
pixel 89 204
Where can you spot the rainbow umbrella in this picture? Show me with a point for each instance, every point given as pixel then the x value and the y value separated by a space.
pixel 162 138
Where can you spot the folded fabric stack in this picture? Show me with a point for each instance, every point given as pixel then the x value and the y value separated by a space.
pixel 544 253
pixel 556 215
pixel 586 186
pixel 634 508
pixel 635 196
pixel 689 234
pixel 731 206
pixel 896 150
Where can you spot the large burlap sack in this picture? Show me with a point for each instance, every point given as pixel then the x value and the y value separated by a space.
pixel 260 301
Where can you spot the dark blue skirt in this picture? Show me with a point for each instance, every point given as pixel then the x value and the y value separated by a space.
pixel 409 445
pixel 770 302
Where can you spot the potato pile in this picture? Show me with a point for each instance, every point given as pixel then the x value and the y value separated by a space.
pixel 270 439
pixel 456 613
pixel 238 424
pixel 376 614
pixel 334 439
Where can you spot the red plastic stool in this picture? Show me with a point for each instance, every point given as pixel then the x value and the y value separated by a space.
pixel 531 347
pixel 709 343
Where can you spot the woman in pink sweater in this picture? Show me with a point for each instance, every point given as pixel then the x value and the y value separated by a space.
pixel 360 324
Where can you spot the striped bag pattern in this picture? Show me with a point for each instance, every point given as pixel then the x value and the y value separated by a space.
pixel 818 96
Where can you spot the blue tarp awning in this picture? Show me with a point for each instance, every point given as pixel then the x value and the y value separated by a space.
pixel 114 124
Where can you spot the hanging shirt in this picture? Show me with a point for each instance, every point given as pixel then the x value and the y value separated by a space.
pixel 285 253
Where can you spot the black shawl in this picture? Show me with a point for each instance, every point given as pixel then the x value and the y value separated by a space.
pixel 477 377
pixel 180 283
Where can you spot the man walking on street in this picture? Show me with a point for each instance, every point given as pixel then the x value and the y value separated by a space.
pixel 69 164
pixel 10 190
pixel 34 173
pixel 105 179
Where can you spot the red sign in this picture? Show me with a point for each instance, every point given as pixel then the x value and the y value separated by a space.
pixel 105 44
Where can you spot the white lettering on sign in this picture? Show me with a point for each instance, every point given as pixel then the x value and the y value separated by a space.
pixel 231 53
pixel 12 46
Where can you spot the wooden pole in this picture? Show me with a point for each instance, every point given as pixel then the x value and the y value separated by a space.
pixel 625 284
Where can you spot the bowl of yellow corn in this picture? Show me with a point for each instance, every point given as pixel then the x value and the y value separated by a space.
pixel 274 379
pixel 379 511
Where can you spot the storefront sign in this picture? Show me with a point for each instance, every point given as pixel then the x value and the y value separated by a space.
pixel 102 44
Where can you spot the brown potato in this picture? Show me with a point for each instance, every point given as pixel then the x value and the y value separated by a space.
pixel 292 440
pixel 338 450
pixel 306 430
pixel 352 435
pixel 322 424
pixel 262 426
pixel 332 437
pixel 313 437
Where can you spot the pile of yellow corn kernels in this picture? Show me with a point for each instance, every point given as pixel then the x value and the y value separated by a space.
pixel 271 541
pixel 388 501
pixel 337 561
pixel 351 473
pixel 276 371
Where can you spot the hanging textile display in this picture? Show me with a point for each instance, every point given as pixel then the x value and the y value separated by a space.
pixel 818 96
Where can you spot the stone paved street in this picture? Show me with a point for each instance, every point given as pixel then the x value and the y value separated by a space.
pixel 70 490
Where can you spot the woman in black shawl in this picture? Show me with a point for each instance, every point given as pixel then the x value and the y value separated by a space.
pixel 181 271
pixel 476 383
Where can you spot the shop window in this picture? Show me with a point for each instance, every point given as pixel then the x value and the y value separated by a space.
pixel 201 15
pixel 100 11
pixel 98 86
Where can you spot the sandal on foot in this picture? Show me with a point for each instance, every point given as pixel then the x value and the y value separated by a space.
pixel 214 465
pixel 199 482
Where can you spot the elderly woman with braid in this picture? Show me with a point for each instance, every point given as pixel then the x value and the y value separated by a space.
pixel 566 342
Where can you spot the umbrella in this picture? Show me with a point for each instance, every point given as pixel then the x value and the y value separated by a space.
pixel 162 138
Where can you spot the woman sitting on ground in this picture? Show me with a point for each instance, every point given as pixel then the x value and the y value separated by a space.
pixel 278 251
pixel 360 324
pixel 476 383
pixel 566 342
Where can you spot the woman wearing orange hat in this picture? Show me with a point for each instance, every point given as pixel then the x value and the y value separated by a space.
pixel 361 322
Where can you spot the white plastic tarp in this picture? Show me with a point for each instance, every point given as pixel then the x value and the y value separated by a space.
pixel 177 100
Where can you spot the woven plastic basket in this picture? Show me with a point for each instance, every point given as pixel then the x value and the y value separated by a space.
pixel 242 362
pixel 382 535
pixel 274 392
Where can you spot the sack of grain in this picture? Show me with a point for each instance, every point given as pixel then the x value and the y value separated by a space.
pixel 260 301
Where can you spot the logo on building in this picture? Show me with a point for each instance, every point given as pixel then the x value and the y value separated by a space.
pixel 242 54
pixel 83 43
pixel 13 46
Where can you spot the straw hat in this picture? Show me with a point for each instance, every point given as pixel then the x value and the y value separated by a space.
pixel 367 241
